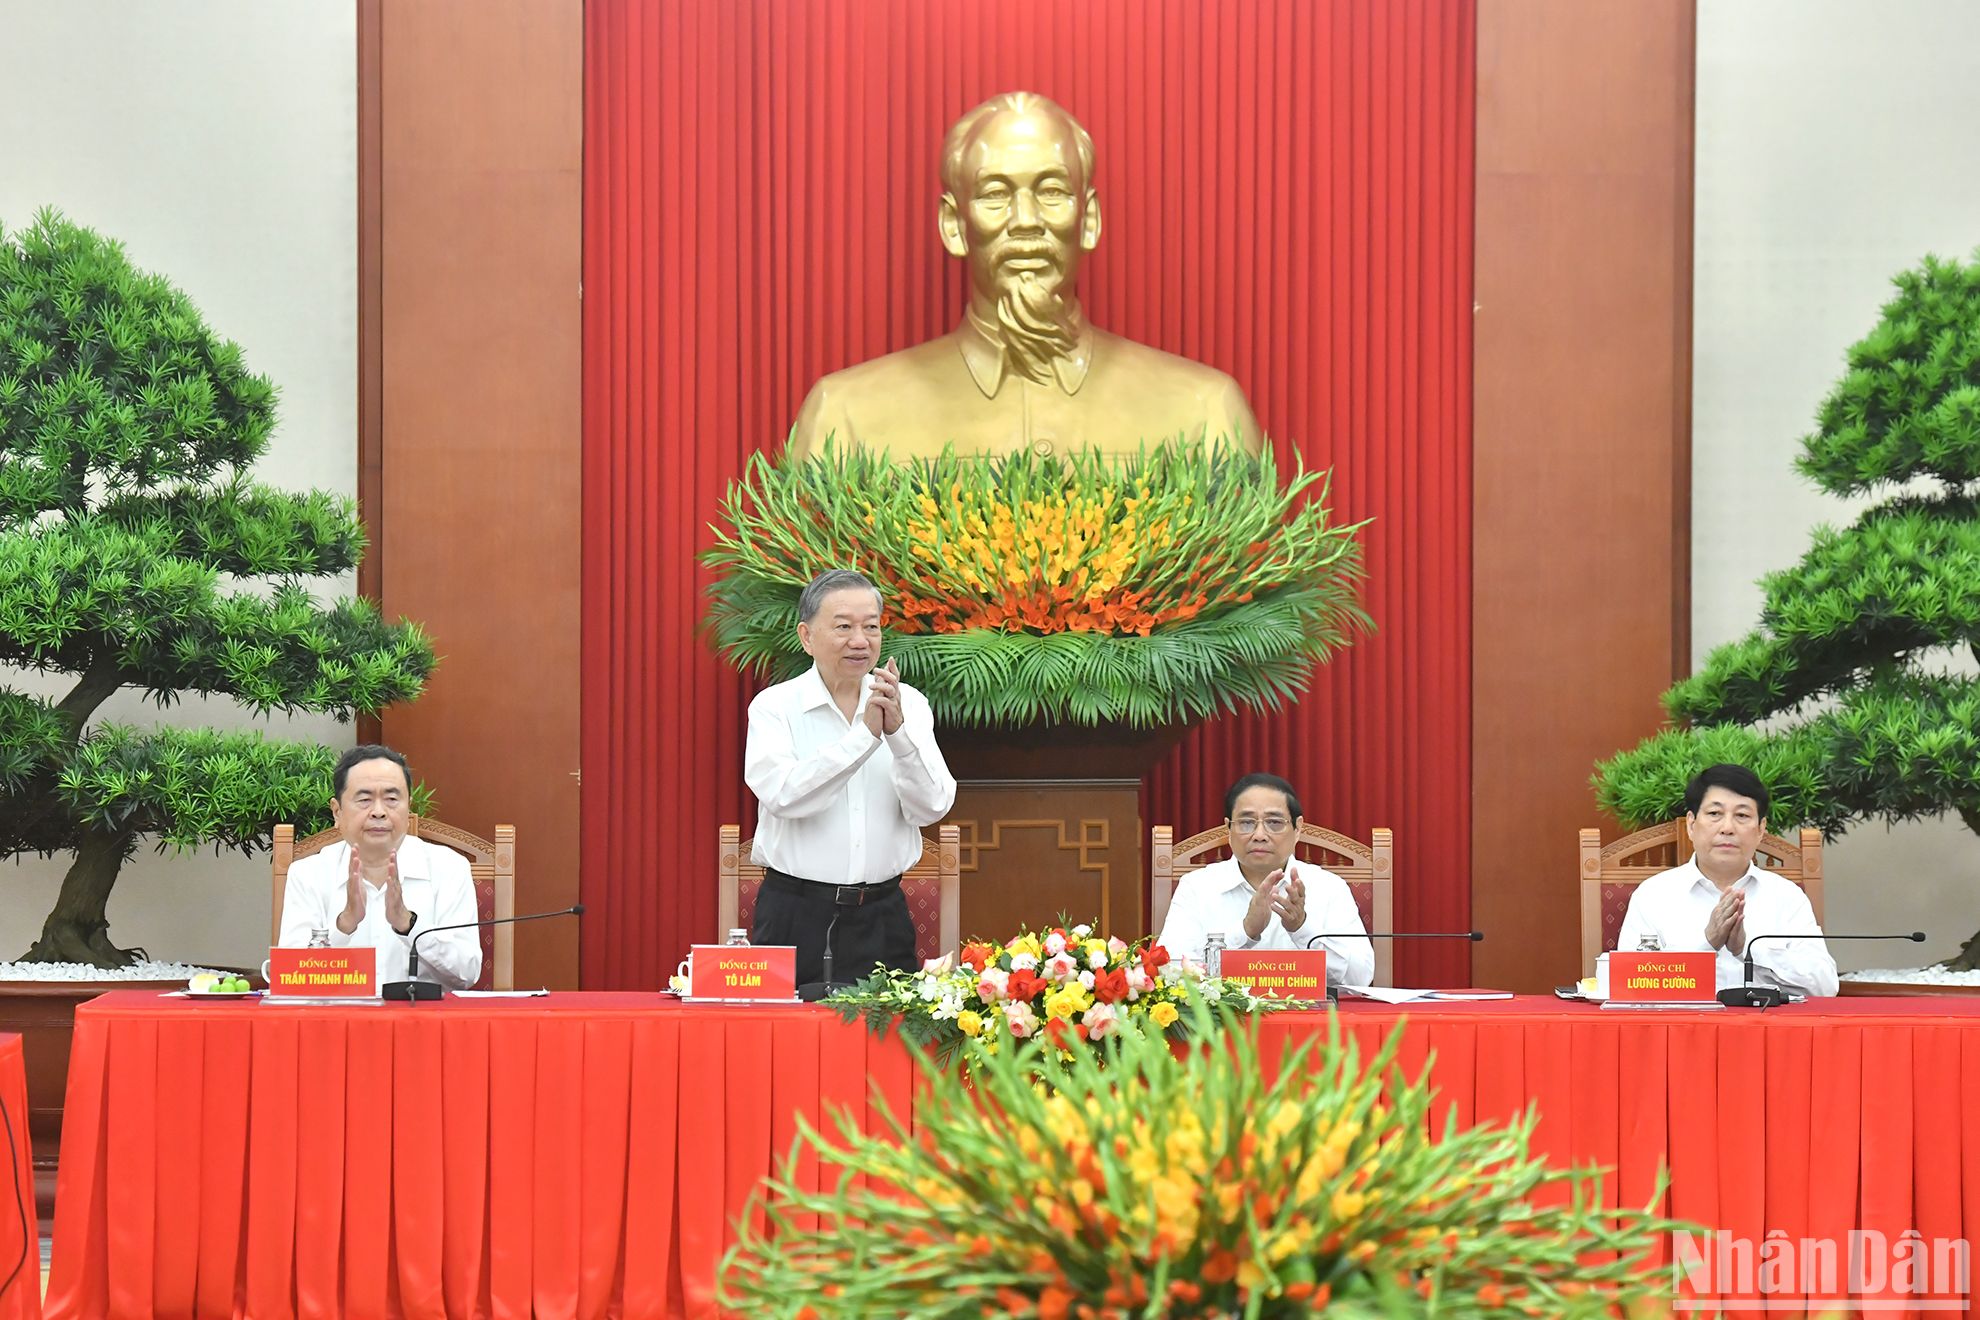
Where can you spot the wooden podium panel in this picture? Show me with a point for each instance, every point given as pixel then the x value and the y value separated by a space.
pixel 1036 849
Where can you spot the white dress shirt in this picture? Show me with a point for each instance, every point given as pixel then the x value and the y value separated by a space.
pixel 438 886
pixel 1216 898
pixel 1674 906
pixel 836 803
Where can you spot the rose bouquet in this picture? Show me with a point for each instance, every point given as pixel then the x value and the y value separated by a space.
pixel 1063 985
pixel 1190 1182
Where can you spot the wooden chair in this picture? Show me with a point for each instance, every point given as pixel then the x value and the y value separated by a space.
pixel 1369 869
pixel 933 887
pixel 1609 875
pixel 493 865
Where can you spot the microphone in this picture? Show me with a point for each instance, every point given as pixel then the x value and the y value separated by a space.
pixel 1334 991
pixel 1767 996
pixel 813 991
pixel 413 989
pixel 1473 935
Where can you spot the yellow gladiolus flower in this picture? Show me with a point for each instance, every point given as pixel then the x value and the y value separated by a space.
pixel 1347 1204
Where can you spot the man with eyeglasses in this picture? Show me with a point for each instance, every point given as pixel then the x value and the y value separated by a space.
pixel 1259 898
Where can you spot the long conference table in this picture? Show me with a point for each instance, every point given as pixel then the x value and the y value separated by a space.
pixel 20 1238
pixel 585 1154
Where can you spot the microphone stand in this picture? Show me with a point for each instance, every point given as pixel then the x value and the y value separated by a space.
pixel 414 990
pixel 813 991
pixel 1334 991
pixel 1768 996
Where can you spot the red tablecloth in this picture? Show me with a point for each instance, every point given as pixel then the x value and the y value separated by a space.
pixel 20 1237
pixel 582 1154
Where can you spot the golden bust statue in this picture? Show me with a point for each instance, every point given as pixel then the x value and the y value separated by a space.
pixel 1025 367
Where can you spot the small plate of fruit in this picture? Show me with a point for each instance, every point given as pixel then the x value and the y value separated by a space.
pixel 220 985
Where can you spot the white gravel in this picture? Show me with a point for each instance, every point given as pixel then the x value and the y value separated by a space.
pixel 144 971
pixel 1915 975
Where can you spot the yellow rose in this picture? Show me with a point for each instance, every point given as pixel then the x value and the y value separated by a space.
pixel 1163 1015
pixel 969 1023
pixel 1027 944
pixel 1067 1001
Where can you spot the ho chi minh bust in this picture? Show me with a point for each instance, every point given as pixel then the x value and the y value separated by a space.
pixel 1025 368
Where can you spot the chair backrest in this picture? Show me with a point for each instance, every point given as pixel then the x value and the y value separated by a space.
pixel 1369 869
pixel 932 887
pixel 1609 875
pixel 493 866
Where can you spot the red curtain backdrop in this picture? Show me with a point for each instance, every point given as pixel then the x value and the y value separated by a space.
pixel 1287 192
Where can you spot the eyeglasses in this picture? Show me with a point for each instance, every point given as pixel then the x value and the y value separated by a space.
pixel 1249 825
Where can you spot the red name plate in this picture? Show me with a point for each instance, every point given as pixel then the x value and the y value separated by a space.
pixel 324 973
pixel 1281 973
pixel 743 971
pixel 1663 978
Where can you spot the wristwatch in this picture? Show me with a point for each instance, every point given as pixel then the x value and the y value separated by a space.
pixel 412 919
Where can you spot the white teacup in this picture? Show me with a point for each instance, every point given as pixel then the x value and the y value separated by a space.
pixel 679 982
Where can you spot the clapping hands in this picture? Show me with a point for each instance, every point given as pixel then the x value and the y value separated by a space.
pixel 883 700
pixel 1283 896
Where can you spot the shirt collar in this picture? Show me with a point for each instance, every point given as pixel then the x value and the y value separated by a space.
pixel 411 854
pixel 1698 877
pixel 983 353
pixel 1237 880
pixel 814 695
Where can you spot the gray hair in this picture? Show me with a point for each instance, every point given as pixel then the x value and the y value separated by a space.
pixel 963 132
pixel 831 580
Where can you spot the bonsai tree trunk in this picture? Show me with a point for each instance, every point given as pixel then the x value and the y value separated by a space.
pixel 1969 952
pixel 77 930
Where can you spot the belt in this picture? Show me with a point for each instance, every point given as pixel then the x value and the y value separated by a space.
pixel 841 895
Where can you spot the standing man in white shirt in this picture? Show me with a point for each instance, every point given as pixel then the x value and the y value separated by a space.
pixel 1719 898
pixel 845 769
pixel 1259 898
pixel 377 887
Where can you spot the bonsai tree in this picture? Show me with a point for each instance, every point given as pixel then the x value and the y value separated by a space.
pixel 1845 698
pixel 136 552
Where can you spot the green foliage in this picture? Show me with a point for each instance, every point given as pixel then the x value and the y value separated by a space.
pixel 1909 405
pixel 135 551
pixel 1905 578
pixel 1835 699
pixel 1183 1183
pixel 1031 589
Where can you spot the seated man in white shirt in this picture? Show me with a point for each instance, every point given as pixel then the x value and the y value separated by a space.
pixel 1719 898
pixel 1260 898
pixel 379 888
pixel 845 769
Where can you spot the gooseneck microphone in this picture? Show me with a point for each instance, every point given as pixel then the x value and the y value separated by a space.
pixel 1767 996
pixel 1333 990
pixel 813 991
pixel 1472 935
pixel 412 988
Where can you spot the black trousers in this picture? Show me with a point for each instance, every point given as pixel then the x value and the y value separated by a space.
pixel 799 912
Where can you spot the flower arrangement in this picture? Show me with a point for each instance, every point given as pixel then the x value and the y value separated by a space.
pixel 1063 986
pixel 1028 588
pixel 1184 1183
